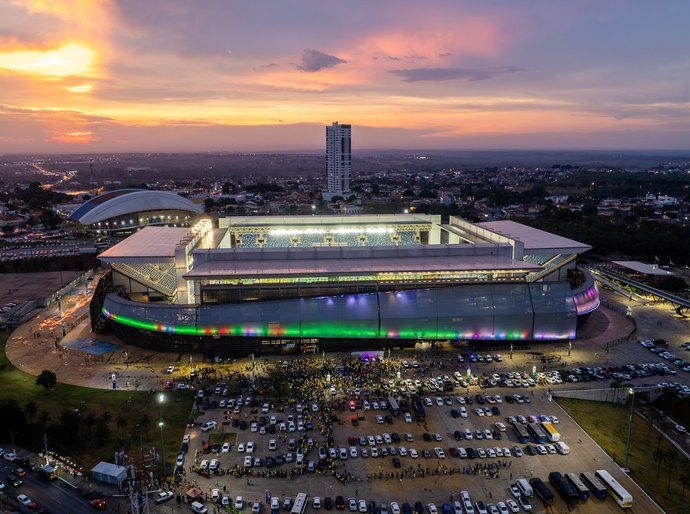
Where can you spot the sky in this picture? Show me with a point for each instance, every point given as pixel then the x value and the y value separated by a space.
pixel 268 75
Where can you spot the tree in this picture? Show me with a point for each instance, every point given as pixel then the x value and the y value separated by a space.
pixel 658 456
pixel 671 460
pixel 652 418
pixel 30 409
pixel 47 379
pixel 145 423
pixel 121 423
pixel 685 480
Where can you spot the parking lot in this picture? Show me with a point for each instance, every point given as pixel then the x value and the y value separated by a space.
pixel 350 444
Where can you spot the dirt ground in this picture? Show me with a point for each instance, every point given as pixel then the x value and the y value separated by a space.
pixel 32 286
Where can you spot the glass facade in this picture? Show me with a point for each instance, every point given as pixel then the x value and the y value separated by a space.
pixel 541 311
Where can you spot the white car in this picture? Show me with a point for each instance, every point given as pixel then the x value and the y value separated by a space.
pixel 432 508
pixel 163 497
pixel 439 453
pixel 209 425
pixel 402 451
pixel 502 508
pixel 24 499
pixel 248 462
pixel 353 452
pixel 379 419
pixel 413 453
pixel 363 506
pixel 408 417
pixel 513 506
pixel 169 370
pixel 225 448
pixel 463 412
pixel 239 503
pixel 250 447
pixel 316 502
pixel 180 460
pixel 395 508
pixel 240 447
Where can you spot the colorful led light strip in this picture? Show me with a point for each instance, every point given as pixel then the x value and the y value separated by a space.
pixel 326 330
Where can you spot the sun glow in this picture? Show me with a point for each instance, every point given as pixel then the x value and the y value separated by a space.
pixel 82 88
pixel 70 59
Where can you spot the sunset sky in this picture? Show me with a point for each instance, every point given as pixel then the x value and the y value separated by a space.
pixel 267 75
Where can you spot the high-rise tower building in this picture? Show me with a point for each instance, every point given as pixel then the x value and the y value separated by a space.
pixel 339 154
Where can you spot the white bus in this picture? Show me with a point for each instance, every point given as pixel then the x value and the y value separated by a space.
pixel 623 498
pixel 300 504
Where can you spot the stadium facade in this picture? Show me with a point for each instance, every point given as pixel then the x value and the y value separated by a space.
pixel 257 284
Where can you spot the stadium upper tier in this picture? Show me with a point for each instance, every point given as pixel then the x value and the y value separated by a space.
pixel 251 270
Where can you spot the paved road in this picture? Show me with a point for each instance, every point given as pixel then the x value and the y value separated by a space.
pixel 56 496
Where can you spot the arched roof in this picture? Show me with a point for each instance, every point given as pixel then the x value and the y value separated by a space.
pixel 129 201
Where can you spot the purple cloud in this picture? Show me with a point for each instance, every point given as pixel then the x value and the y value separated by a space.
pixel 440 74
pixel 313 60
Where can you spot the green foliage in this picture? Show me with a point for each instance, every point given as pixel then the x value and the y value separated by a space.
pixel 47 379
pixel 80 421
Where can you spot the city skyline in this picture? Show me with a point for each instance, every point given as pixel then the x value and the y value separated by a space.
pixel 109 76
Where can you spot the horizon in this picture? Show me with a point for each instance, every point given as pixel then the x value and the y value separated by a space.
pixel 169 76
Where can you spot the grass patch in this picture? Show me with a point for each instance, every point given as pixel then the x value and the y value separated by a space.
pixel 654 463
pixel 70 414
pixel 220 438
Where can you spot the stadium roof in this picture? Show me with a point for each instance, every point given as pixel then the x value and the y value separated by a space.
pixel 239 268
pixel 534 239
pixel 641 267
pixel 148 244
pixel 129 201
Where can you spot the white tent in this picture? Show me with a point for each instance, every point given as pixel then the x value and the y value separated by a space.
pixel 109 473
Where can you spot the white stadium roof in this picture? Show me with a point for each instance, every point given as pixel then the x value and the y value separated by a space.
pixel 533 238
pixel 641 267
pixel 148 244
pixel 123 202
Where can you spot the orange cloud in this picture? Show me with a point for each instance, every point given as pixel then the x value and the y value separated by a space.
pixel 477 37
pixel 92 10
pixel 76 137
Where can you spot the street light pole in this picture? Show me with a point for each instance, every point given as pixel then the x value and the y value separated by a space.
pixel 161 398
pixel 631 392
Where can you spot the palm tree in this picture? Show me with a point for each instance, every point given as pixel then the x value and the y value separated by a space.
pixel 671 460
pixel 30 409
pixel 658 458
pixel 105 417
pixel 43 419
pixel 145 423
pixel 685 479
pixel 652 418
pixel 121 423
pixel 617 385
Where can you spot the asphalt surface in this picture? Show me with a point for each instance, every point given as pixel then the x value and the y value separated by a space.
pixel 56 496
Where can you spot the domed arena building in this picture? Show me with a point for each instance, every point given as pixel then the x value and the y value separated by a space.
pixel 126 210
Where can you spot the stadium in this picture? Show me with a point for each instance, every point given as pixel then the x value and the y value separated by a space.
pixel 260 284
pixel 126 210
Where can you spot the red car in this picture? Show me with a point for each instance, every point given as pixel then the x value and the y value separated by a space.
pixel 98 504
